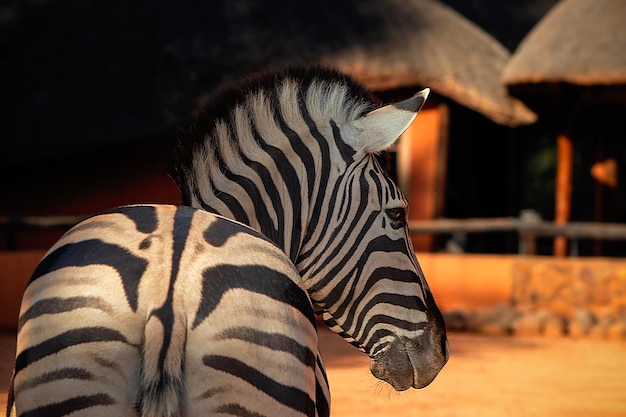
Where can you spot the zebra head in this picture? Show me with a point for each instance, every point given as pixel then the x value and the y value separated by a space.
pixel 293 155
pixel 359 265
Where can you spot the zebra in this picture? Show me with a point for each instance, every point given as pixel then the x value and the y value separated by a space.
pixel 293 154
pixel 288 159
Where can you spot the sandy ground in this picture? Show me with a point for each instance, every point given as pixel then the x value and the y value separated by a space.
pixel 491 376
pixel 486 376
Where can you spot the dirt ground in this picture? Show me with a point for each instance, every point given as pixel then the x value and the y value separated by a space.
pixel 486 376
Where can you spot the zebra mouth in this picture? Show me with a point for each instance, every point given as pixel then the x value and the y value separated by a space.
pixel 406 364
pixel 397 371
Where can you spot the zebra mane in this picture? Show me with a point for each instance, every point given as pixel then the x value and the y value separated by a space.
pixel 265 98
pixel 324 80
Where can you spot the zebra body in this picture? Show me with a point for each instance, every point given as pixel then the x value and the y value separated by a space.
pixel 292 155
pixel 132 311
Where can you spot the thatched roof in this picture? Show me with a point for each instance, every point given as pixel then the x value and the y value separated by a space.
pixel 428 43
pixel 386 44
pixel 580 42
pixel 84 74
pixel 507 21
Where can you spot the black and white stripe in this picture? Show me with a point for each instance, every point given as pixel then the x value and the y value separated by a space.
pixel 165 311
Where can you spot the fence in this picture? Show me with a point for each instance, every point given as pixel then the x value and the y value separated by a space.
pixel 528 227
pixel 12 225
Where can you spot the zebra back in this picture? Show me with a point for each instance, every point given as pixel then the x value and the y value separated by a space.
pixel 166 311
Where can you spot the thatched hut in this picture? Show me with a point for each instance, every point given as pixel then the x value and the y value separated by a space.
pixel 571 69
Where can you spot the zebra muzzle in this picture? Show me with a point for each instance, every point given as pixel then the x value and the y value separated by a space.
pixel 407 363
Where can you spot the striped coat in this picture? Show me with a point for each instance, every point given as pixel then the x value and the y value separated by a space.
pixel 132 311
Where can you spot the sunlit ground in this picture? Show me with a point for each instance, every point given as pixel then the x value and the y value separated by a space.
pixel 490 376
pixel 486 376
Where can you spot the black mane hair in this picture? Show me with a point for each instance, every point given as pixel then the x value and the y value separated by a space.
pixel 219 107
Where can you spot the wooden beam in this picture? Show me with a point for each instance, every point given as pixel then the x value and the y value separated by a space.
pixel 563 191
pixel 422 156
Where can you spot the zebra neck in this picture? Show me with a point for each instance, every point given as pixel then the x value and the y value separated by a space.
pixel 284 205
pixel 271 163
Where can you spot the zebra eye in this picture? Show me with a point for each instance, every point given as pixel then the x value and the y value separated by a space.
pixel 397 217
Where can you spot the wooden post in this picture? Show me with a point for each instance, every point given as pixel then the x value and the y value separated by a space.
pixel 422 156
pixel 563 192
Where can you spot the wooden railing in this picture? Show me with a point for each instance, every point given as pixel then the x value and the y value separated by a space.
pixel 12 225
pixel 528 227
pixel 39 222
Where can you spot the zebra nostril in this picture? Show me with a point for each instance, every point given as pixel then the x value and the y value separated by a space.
pixel 445 347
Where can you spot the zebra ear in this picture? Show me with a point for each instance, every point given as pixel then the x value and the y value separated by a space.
pixel 379 129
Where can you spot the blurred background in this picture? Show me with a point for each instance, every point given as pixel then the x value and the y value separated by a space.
pixel 92 92
pixel 515 170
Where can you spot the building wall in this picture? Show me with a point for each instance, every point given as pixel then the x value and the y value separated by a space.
pixel 83 184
